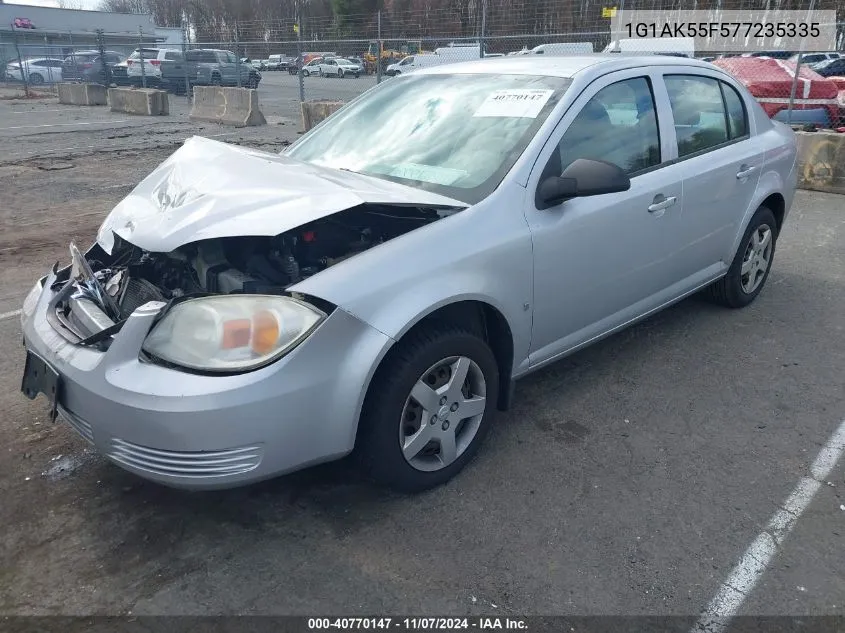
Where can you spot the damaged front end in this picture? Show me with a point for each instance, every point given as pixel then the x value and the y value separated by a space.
pixel 214 239
pixel 99 290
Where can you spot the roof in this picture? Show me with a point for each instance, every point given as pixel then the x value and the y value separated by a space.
pixel 560 66
pixel 52 20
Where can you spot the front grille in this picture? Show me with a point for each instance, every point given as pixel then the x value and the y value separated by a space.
pixel 79 425
pixel 227 462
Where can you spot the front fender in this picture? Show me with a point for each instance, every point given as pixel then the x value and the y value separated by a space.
pixel 479 254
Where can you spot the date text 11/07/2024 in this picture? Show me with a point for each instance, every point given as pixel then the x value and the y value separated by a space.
pixel 481 623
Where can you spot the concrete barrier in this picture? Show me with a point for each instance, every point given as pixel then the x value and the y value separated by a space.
pixel 147 101
pixel 821 161
pixel 82 94
pixel 313 112
pixel 229 106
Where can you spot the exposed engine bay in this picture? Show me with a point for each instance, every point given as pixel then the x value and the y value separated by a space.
pixel 131 276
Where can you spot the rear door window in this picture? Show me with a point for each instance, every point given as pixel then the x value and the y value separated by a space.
pixel 699 113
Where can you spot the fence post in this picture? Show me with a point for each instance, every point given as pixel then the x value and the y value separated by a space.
pixel 794 87
pixel 24 78
pixel 101 46
pixel 378 56
pixel 185 63
pixel 237 55
pixel 299 58
pixel 141 56
pixel 481 46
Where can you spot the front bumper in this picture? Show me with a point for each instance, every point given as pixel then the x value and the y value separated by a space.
pixel 201 432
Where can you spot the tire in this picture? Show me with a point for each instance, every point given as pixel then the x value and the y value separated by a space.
pixel 340 73
pixel 36 79
pixel 391 416
pixel 735 289
pixel 216 80
pixel 306 73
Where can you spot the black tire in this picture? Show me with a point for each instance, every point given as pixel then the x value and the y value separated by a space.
pixel 728 290
pixel 340 73
pixel 36 79
pixel 357 75
pixel 306 73
pixel 216 80
pixel 378 445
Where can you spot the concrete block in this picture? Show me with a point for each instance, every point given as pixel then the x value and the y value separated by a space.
pixel 82 94
pixel 228 106
pixel 821 161
pixel 147 101
pixel 313 112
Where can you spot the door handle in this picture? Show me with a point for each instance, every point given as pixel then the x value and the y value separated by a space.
pixel 660 205
pixel 744 172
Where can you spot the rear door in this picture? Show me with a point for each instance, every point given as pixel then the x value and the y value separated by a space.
pixel 721 162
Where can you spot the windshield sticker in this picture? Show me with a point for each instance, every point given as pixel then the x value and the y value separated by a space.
pixel 427 173
pixel 514 103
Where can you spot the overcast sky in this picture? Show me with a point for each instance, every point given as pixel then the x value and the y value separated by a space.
pixel 75 4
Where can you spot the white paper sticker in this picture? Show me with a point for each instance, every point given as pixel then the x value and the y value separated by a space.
pixel 514 103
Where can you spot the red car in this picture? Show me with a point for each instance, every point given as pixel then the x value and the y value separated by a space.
pixel 23 23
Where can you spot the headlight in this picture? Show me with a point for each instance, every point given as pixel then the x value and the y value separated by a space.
pixel 231 332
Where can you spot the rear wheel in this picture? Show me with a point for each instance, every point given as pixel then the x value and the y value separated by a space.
pixel 216 80
pixel 428 408
pixel 751 265
pixel 36 79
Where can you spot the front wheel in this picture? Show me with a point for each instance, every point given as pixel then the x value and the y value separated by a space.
pixel 305 73
pixel 36 79
pixel 751 265
pixel 428 408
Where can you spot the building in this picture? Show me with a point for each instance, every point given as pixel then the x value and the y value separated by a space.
pixel 50 32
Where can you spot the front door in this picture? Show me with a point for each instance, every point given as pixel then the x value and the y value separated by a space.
pixel 601 261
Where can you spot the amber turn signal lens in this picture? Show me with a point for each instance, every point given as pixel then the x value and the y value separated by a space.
pixel 265 332
pixel 236 333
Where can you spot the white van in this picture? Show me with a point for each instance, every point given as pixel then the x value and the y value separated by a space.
pixel 681 46
pixel 415 62
pixel 563 48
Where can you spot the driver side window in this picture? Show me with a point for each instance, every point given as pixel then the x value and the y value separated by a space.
pixel 618 124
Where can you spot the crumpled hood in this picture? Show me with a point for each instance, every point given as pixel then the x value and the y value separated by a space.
pixel 208 189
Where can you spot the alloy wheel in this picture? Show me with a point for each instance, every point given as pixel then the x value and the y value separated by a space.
pixel 757 259
pixel 443 413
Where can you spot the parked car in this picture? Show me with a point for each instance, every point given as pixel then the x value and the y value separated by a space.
pixel 339 67
pixel 831 67
pixel 88 66
pixel 265 313
pixel 814 58
pixel 120 74
pixel 213 67
pixel 278 62
pixel 37 71
pixel 159 66
pixel 312 67
pixel 258 64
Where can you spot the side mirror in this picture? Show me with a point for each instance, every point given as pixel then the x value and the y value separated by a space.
pixel 583 177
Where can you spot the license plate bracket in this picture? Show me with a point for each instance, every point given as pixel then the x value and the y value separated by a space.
pixel 40 377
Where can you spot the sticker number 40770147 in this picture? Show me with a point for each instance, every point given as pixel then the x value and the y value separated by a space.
pixel 525 103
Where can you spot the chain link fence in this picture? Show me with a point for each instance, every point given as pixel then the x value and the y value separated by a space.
pixel 316 56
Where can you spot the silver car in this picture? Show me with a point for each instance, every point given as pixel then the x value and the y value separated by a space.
pixel 381 285
pixel 339 67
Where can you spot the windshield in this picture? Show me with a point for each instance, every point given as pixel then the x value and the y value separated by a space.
pixel 457 135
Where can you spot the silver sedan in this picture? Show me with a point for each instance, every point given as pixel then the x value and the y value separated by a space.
pixel 380 286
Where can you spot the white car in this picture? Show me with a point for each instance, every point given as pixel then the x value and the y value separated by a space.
pixel 339 67
pixel 152 59
pixel 38 70
pixel 811 59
